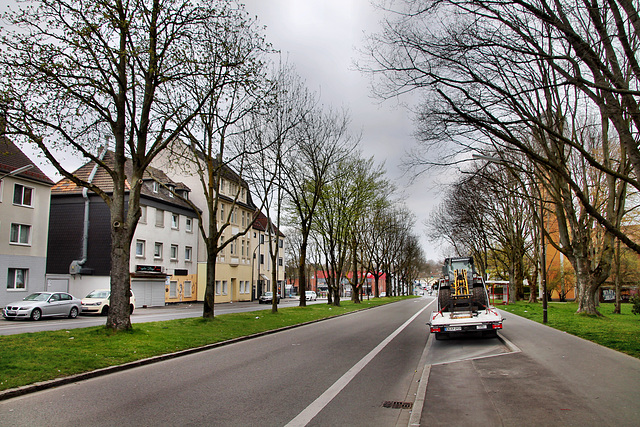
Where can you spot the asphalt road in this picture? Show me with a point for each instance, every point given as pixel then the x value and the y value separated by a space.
pixel 365 358
pixel 346 371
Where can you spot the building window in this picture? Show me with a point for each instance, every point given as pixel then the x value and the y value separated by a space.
pixel 280 243
pixel 261 239
pixel 156 187
pixel 232 247
pixel 173 289
pixel 175 221
pixel 188 223
pixel 17 279
pixel 174 252
pixel 234 214
pixel 217 287
pixel 143 215
pixel 243 219
pixel 140 248
pixel 224 287
pixel 222 212
pixel 280 262
pixel 261 258
pixel 159 218
pixel 157 250
pixel 187 288
pixel 187 253
pixel 20 234
pixel 22 196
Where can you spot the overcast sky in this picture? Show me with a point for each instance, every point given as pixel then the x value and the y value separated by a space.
pixel 321 39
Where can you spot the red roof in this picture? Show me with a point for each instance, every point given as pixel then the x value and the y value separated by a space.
pixel 12 158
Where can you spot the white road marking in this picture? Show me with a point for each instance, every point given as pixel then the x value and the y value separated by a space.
pixel 317 405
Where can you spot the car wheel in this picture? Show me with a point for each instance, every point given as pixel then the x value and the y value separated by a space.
pixel 36 314
pixel 73 313
pixel 105 310
pixel 130 308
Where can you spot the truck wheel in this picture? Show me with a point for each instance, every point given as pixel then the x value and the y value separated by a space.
pixel 444 298
pixel 480 296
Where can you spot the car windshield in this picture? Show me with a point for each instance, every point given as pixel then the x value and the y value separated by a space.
pixel 98 294
pixel 268 294
pixel 38 296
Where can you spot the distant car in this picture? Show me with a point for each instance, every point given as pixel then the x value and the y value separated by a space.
pixel 98 302
pixel 383 294
pixel 310 296
pixel 267 297
pixel 43 304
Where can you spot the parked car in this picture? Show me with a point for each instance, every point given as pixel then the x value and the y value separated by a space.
pixel 267 297
pixel 310 296
pixel 43 304
pixel 98 301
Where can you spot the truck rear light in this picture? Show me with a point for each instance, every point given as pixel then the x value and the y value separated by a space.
pixel 497 326
pixel 433 330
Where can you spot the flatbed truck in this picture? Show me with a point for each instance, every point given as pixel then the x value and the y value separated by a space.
pixel 463 302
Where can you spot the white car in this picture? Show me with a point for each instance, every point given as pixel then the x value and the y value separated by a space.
pixel 97 302
pixel 310 296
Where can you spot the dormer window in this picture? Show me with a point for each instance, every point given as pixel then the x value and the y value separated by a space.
pixel 156 187
pixel 171 190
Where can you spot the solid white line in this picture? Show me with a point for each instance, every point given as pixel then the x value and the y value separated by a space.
pixel 317 405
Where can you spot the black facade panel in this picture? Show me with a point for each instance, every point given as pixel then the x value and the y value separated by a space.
pixel 99 248
pixel 65 234
pixel 66 222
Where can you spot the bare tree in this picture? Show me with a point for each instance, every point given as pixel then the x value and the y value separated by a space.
pixel 76 70
pixel 515 76
pixel 231 87
pixel 273 132
pixel 320 141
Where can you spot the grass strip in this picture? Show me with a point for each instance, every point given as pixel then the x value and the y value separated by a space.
pixel 41 356
pixel 620 332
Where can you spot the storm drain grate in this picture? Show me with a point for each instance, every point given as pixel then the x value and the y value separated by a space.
pixel 397 405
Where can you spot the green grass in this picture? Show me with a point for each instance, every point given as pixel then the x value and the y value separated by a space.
pixel 40 356
pixel 617 331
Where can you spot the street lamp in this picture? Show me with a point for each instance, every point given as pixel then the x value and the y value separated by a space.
pixel 17 171
pixel 543 250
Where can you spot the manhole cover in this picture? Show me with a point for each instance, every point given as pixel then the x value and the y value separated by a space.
pixel 397 405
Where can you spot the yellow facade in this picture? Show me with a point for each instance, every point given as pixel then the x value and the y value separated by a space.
pixel 181 289
pixel 233 283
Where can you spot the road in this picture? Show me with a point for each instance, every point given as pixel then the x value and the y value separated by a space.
pixel 345 371
pixel 140 315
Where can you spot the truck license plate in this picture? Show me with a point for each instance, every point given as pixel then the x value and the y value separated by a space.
pixel 453 328
pixel 481 326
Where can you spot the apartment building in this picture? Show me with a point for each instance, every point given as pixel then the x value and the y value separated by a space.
pixel 24 221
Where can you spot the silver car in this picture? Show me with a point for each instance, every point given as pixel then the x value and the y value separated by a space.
pixel 43 304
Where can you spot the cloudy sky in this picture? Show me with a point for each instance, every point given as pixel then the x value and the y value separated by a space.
pixel 321 39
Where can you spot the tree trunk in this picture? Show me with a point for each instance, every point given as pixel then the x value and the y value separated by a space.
pixel 302 271
pixel 210 290
pixel 119 317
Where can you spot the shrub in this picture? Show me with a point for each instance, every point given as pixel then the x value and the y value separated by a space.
pixel 635 301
